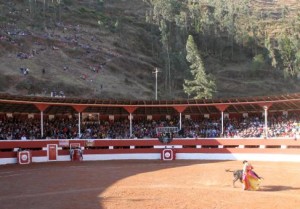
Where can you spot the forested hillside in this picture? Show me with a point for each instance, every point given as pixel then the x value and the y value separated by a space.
pixel 110 49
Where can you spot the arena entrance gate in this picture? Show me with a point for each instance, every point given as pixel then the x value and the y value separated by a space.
pixel 76 152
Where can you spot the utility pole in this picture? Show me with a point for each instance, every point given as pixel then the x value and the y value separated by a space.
pixel 156 71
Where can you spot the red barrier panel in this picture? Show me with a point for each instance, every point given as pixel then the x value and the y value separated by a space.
pixel 150 149
pixel 76 154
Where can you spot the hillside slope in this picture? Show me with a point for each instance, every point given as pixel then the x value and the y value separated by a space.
pixel 77 55
pixel 108 51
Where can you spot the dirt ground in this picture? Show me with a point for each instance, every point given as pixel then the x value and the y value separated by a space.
pixel 145 184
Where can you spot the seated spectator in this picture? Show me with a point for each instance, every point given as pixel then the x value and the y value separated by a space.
pixel 67 128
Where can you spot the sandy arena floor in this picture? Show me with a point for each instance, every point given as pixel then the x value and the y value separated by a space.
pixel 146 185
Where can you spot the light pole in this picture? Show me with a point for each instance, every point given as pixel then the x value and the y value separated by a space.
pixel 156 72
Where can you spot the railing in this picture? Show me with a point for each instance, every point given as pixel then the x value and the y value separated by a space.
pixel 201 149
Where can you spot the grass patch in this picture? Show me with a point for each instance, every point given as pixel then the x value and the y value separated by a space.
pixel 5 81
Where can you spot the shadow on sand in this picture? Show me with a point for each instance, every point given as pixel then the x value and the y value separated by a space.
pixel 274 188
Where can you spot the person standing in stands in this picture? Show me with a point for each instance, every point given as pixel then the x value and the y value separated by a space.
pixel 23 137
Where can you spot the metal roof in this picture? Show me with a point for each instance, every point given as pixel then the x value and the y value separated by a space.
pixel 55 105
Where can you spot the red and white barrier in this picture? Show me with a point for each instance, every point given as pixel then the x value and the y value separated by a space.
pixel 152 149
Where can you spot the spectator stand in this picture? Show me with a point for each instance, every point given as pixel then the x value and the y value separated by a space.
pixel 165 136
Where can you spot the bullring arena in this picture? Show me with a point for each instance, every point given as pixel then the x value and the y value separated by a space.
pixel 187 172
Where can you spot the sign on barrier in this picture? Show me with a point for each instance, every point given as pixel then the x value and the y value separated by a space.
pixel 24 157
pixel 168 154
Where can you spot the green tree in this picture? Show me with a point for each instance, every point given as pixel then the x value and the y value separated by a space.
pixel 258 62
pixel 271 52
pixel 202 85
pixel 164 14
pixel 288 51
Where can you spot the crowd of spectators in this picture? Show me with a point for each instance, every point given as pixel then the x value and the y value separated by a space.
pixel 12 128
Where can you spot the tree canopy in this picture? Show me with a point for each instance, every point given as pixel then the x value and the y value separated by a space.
pixel 202 85
pixel 224 29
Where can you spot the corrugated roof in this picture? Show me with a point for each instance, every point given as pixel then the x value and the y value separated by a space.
pixel 29 104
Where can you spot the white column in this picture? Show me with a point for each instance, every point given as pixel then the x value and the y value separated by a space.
pixel 79 128
pixel 266 121
pixel 42 124
pixel 156 72
pixel 180 121
pixel 222 122
pixel 130 124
